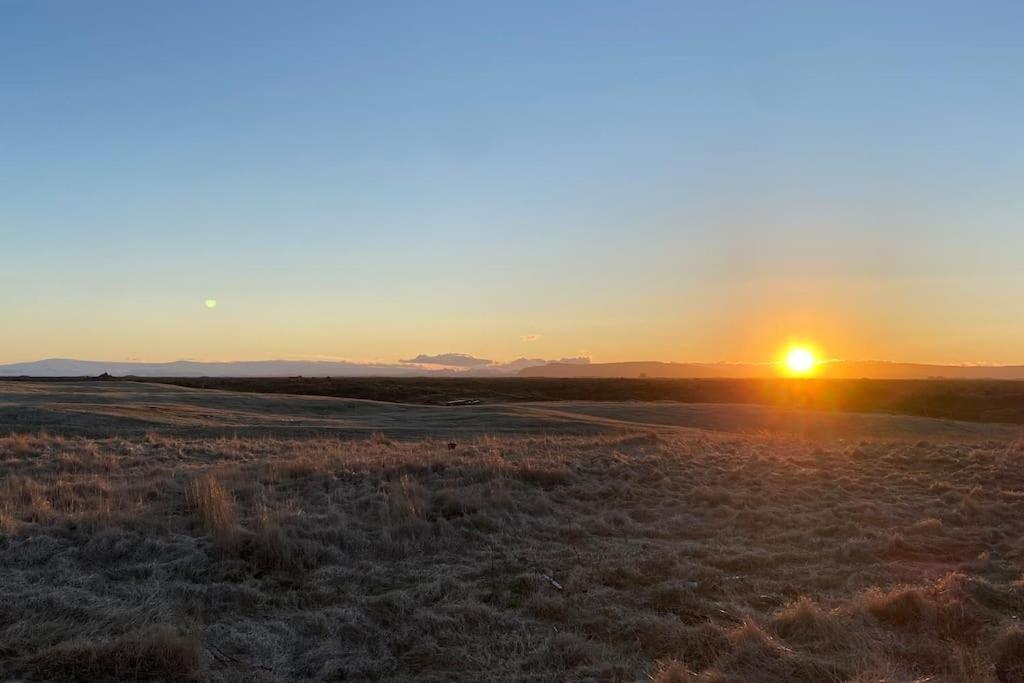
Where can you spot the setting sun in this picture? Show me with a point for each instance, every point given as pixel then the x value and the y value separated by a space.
pixel 799 360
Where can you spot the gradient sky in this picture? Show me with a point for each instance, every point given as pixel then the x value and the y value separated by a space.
pixel 632 180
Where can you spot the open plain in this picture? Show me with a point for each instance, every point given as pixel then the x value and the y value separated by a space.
pixel 157 532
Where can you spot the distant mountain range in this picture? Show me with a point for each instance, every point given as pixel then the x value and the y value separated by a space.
pixel 523 367
pixel 65 367
pixel 840 369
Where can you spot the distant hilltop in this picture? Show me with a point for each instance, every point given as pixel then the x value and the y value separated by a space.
pixel 840 369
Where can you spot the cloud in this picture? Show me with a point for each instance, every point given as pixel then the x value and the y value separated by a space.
pixel 532 337
pixel 578 360
pixel 451 360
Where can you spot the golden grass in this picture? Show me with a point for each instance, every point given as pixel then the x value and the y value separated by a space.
pixel 636 557
pixel 212 505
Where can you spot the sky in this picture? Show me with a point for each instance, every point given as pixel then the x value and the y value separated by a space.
pixel 678 181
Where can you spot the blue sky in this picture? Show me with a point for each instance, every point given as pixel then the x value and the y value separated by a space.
pixel 675 181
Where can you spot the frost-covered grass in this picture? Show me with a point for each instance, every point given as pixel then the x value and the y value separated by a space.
pixel 629 557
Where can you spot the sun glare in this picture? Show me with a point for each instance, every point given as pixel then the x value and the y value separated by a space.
pixel 799 360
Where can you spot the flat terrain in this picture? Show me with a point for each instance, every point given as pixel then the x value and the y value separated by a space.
pixel 159 532
pixel 974 400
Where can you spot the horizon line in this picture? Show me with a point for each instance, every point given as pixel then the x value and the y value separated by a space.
pixel 495 363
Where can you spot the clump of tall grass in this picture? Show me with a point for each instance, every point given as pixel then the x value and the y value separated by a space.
pixel 212 505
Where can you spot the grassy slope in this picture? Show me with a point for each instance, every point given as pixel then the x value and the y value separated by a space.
pixel 110 408
pixel 974 400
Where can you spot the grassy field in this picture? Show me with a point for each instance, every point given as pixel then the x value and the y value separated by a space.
pixel 872 549
pixel 123 408
pixel 974 400
pixel 615 558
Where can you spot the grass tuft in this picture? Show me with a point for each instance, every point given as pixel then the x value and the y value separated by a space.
pixel 212 505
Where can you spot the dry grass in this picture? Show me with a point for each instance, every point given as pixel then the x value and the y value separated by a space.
pixel 161 655
pixel 212 505
pixel 978 400
pixel 639 557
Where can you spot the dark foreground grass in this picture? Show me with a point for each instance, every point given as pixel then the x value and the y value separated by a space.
pixel 627 558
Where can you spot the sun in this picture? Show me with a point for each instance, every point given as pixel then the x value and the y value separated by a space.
pixel 800 360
